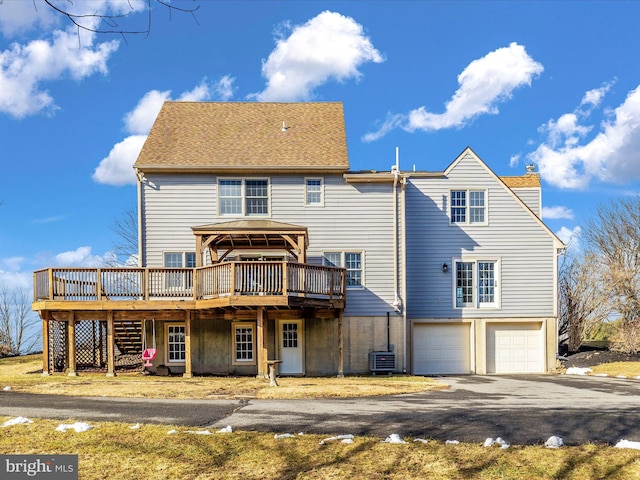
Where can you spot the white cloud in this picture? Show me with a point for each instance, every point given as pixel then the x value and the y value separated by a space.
pixel 24 68
pixel 18 17
pixel 571 238
pixel 557 212
pixel 139 120
pixel 593 98
pixel 116 168
pixel 612 155
pixel 484 83
pixel 82 257
pixel 19 280
pixel 514 160
pixel 224 88
pixel 13 263
pixel 329 46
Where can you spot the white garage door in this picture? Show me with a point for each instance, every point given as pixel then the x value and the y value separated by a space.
pixel 514 348
pixel 441 348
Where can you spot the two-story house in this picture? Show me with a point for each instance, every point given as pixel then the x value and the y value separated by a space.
pixel 258 243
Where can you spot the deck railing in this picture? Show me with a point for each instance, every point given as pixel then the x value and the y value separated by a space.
pixel 214 281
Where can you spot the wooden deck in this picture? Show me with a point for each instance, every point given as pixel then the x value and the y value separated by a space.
pixel 226 284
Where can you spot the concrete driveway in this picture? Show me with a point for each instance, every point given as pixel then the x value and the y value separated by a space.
pixel 521 409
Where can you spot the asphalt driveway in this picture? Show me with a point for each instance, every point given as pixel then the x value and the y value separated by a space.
pixel 521 409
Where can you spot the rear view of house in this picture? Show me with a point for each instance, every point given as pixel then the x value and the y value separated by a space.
pixel 258 244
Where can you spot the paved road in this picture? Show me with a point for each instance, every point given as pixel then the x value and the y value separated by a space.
pixel 520 409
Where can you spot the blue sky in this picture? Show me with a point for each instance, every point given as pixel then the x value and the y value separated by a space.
pixel 551 83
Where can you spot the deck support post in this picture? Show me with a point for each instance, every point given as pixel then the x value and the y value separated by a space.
pixel 71 343
pixel 261 341
pixel 340 347
pixel 111 353
pixel 46 316
pixel 187 345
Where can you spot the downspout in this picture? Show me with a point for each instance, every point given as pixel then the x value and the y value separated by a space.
pixel 404 266
pixel 397 302
pixel 140 176
pixel 395 170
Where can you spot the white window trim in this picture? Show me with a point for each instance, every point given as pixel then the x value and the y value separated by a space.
pixel 243 188
pixel 321 203
pixel 183 255
pixel 234 360
pixel 496 304
pixel 166 343
pixel 468 207
pixel 343 265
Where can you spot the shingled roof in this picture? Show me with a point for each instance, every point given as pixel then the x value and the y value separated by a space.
pixel 246 136
pixel 528 180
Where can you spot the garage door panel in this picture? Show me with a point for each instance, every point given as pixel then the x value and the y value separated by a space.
pixel 441 349
pixel 515 348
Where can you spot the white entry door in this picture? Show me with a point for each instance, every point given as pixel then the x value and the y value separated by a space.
pixel 291 347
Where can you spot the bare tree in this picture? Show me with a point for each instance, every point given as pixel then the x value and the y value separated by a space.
pixel 613 238
pixel 583 303
pixel 18 334
pixel 126 230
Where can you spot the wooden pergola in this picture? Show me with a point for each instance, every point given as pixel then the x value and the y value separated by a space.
pixel 250 235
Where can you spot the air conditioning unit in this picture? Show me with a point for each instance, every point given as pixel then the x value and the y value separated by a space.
pixel 382 362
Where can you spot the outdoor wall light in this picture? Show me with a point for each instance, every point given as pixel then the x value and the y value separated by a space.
pixel 445 267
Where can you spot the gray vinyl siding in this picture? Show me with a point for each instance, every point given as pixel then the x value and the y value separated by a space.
pixel 531 198
pixel 513 235
pixel 172 204
pixel 355 218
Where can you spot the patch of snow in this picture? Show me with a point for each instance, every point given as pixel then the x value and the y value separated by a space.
pixel 421 440
pixel 226 429
pixel 283 435
pixel 578 370
pixel 135 427
pixel 498 441
pixel 637 377
pixel 554 442
pixel 78 427
pixel 451 442
pixel 628 444
pixel 199 432
pixel 621 376
pixel 172 432
pixel 394 438
pixel 16 421
pixel 347 438
pixel 601 375
pixel 6 389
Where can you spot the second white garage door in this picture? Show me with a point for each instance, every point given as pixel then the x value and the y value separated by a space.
pixel 514 348
pixel 441 348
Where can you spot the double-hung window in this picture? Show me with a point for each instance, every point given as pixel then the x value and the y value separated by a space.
pixel 352 261
pixel 468 207
pixel 176 343
pixel 243 343
pixel 243 197
pixel 313 192
pixel 179 278
pixel 476 284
